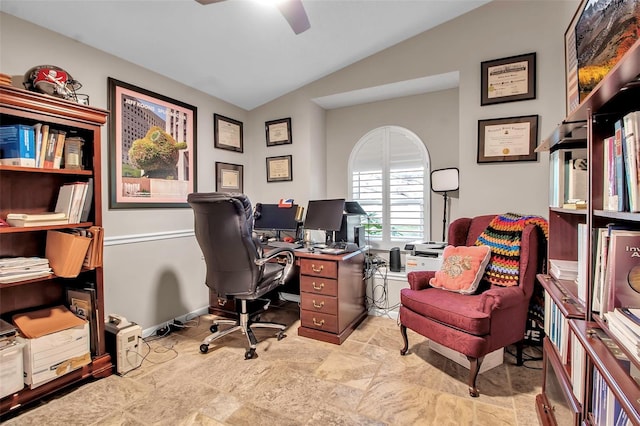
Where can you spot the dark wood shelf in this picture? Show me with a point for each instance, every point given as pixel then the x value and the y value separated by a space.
pixel 78 172
pixel 16 229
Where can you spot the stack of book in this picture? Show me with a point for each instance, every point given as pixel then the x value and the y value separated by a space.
pixel 621 164
pixel 13 269
pixel 624 324
pixel 37 219
pixel 563 269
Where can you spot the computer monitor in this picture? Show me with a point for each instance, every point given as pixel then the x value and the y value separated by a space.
pixel 271 217
pixel 325 215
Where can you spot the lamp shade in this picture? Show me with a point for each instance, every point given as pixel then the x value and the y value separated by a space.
pixel 443 180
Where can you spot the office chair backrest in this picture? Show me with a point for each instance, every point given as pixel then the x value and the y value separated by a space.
pixel 223 229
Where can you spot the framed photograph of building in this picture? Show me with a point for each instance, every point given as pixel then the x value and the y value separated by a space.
pixel 152 148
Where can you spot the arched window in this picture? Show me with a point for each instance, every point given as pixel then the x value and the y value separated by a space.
pixel 389 176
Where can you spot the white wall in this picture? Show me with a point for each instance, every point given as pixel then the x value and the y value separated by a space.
pixel 157 277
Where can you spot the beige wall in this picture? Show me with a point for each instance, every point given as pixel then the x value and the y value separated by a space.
pixel 153 269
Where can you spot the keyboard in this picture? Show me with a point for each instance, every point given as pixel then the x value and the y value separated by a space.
pixel 284 244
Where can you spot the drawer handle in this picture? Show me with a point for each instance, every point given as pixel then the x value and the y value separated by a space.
pixel 318 323
pixel 318 306
pixel 317 270
pixel 316 287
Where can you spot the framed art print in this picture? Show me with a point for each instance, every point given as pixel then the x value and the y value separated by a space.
pixel 278 132
pixel 227 133
pixel 508 79
pixel 152 148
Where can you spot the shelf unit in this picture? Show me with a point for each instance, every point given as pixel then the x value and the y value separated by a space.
pixel 35 190
pixel 616 95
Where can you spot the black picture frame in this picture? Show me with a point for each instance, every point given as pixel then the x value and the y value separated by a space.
pixel 508 139
pixel 508 79
pixel 227 133
pixel 278 132
pixel 136 114
pixel 229 177
pixel 279 169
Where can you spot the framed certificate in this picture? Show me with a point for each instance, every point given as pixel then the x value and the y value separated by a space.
pixel 229 177
pixel 508 139
pixel 278 132
pixel 227 133
pixel 508 79
pixel 279 168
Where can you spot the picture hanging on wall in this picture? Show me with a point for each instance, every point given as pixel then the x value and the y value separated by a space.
pixel 152 148
pixel 508 79
pixel 508 139
pixel 278 132
pixel 227 133
pixel 229 177
pixel 279 168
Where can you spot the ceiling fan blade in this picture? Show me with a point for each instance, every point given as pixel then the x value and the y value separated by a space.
pixel 205 2
pixel 294 13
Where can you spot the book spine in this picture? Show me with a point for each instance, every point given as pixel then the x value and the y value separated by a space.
pixel 619 164
pixel 630 124
pixel 43 147
pixel 51 149
pixel 57 158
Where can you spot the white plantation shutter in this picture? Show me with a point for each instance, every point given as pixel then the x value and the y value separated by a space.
pixel 389 172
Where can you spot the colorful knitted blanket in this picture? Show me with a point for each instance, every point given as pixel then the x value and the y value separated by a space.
pixel 503 235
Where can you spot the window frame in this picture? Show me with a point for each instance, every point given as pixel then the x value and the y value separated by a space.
pixel 387 241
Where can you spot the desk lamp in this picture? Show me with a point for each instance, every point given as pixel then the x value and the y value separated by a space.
pixel 444 180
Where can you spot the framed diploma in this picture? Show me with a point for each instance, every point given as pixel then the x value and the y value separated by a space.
pixel 278 132
pixel 229 177
pixel 508 139
pixel 508 79
pixel 279 168
pixel 227 133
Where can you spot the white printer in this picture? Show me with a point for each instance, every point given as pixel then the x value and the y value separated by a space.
pixel 424 256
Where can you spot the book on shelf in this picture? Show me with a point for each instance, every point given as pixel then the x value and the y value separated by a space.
pixel 563 269
pixel 50 151
pixel 44 130
pixel 576 175
pixel 59 149
pixel 601 244
pixel 623 269
pixel 626 336
pixel 575 205
pixel 583 261
pixel 88 201
pixel 39 219
pixel 82 302
pixel 72 199
pixel 578 355
pixel 37 135
pixel 619 154
pixel 630 317
pixel 610 193
pixel 631 124
pixel 568 176
pixel 17 145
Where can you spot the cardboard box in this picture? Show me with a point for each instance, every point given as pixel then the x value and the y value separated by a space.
pixel 491 360
pixel 11 368
pixel 66 253
pixel 55 343
pixel 53 355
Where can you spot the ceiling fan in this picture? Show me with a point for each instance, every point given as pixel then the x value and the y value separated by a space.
pixel 292 10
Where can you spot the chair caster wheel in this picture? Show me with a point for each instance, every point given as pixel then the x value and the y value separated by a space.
pixel 204 348
pixel 250 353
pixel 214 328
pixel 281 335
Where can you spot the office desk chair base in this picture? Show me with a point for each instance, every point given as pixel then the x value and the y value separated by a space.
pixel 245 325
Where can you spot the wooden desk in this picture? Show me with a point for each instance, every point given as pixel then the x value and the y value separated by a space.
pixel 332 295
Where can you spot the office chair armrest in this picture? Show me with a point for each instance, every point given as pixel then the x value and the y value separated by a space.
pixel 282 251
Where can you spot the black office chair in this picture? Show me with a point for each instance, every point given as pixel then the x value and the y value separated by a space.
pixel 236 265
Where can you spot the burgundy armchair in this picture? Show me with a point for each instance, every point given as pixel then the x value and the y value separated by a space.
pixel 476 324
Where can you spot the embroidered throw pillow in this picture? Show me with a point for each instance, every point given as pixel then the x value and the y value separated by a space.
pixel 462 268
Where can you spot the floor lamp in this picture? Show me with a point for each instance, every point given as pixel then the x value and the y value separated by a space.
pixel 445 180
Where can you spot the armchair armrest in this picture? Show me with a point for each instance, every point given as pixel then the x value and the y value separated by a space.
pixel 282 251
pixel 501 298
pixel 419 280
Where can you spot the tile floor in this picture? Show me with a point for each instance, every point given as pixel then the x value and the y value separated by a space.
pixel 297 381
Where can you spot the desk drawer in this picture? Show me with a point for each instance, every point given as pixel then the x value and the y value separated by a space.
pixel 319 268
pixel 319 321
pixel 318 285
pixel 319 303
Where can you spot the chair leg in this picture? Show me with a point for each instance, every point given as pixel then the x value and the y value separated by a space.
pixel 474 369
pixel 403 331
pixel 519 350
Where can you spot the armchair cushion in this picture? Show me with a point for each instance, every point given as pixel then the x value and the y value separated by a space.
pixel 462 268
